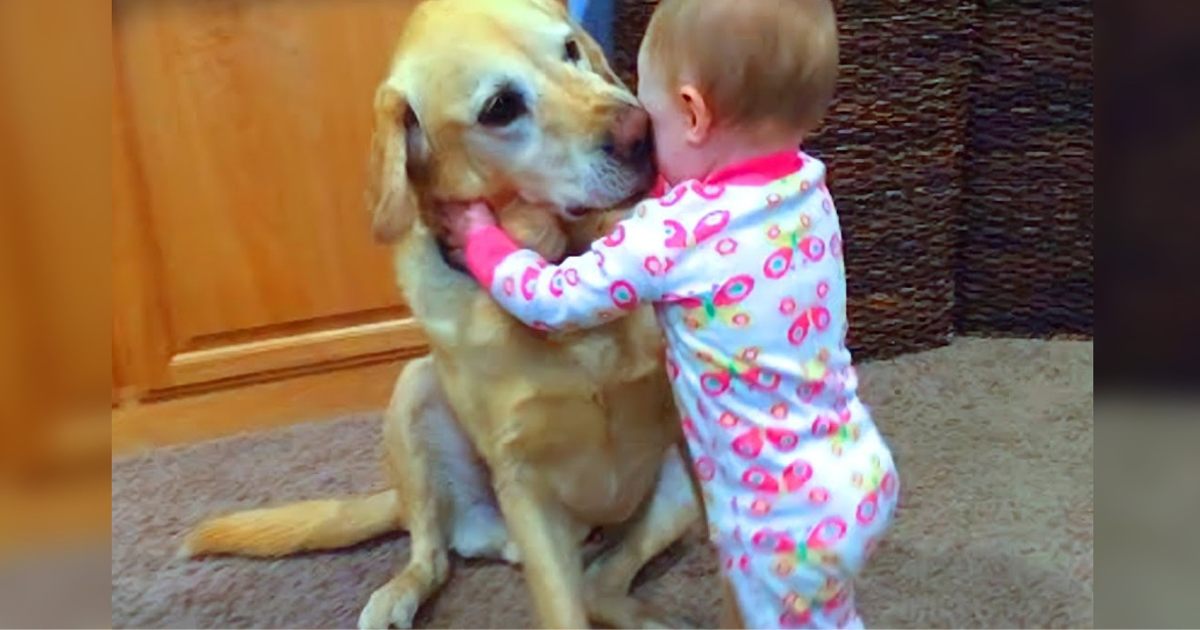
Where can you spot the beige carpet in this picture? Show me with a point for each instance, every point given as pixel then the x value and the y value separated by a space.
pixel 993 440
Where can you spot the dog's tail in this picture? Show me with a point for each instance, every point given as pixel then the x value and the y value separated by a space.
pixel 296 527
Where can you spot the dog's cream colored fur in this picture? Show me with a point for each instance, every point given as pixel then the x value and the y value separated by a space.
pixel 504 442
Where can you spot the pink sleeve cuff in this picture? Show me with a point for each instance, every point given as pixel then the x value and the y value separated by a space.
pixel 486 248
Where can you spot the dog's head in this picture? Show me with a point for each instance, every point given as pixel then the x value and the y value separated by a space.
pixel 502 100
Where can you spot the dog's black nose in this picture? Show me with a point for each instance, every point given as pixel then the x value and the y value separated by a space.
pixel 629 139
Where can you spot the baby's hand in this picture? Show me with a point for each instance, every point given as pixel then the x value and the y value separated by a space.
pixel 461 221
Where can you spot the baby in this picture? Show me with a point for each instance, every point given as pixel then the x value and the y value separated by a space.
pixel 741 255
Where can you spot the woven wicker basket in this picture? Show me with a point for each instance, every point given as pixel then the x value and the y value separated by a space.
pixel 1025 244
pixel 935 105
pixel 893 145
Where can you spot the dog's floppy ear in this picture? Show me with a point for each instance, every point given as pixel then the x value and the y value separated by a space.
pixel 390 197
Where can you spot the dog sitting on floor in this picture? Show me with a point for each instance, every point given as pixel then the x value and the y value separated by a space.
pixel 505 442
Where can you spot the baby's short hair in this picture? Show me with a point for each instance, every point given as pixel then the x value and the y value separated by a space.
pixel 754 61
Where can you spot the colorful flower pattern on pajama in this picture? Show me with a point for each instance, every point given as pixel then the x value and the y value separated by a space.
pixel 746 276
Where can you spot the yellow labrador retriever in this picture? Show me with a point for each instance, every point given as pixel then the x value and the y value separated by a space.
pixel 505 442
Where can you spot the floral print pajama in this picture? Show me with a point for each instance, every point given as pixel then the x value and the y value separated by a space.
pixel 745 272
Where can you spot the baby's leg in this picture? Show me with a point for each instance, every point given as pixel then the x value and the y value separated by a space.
pixel 807 598
pixel 796 567
pixel 788 578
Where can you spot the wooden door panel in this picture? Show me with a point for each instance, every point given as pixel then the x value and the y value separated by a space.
pixel 247 129
pixel 54 287
pixel 52 115
pixel 141 344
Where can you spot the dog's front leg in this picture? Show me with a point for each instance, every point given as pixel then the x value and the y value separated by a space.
pixel 546 539
pixel 670 512
pixel 417 401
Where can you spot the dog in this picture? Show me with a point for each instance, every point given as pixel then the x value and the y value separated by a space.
pixel 506 442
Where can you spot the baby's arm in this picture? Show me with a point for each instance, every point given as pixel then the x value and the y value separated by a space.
pixel 606 282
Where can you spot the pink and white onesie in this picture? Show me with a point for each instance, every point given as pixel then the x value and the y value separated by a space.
pixel 745 273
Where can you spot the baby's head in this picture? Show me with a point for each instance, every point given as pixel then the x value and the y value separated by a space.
pixel 717 75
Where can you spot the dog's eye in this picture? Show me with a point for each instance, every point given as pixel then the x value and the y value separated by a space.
pixel 571 51
pixel 503 108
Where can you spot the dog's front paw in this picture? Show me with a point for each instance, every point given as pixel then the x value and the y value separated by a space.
pixel 389 609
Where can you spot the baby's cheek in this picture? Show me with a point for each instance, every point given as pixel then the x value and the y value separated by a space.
pixel 673 157
pixel 667 158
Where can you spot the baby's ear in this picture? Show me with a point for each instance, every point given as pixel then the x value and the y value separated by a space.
pixel 700 120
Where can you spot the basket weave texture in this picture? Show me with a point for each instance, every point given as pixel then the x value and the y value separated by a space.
pixel 1025 243
pixel 959 149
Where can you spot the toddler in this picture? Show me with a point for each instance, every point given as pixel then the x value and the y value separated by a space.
pixel 741 255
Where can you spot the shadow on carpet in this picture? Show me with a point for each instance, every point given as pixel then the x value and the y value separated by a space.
pixel 993 440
